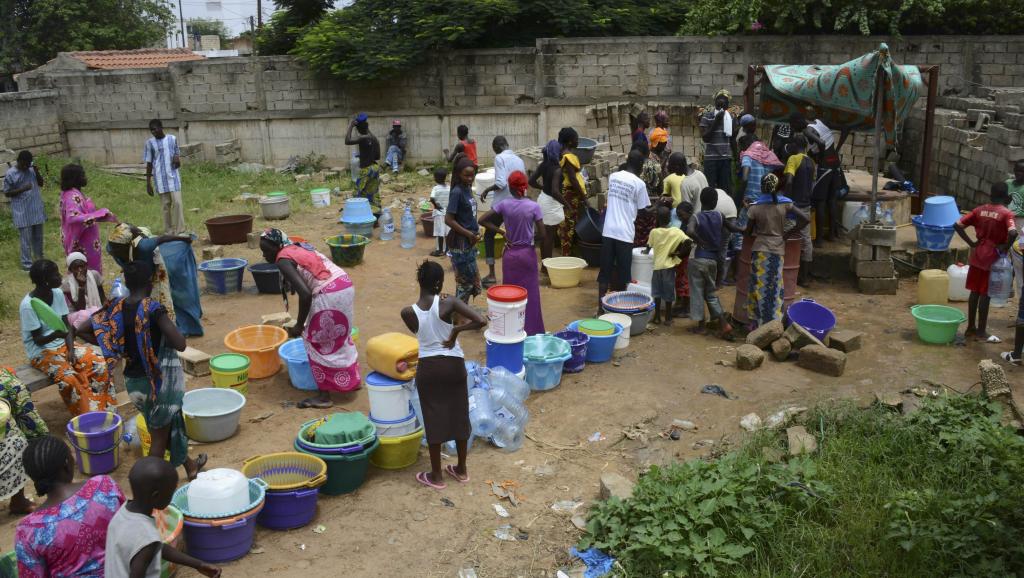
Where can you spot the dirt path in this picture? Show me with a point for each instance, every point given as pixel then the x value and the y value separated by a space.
pixel 393 526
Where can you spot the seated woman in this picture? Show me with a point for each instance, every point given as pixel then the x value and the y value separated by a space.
pixel 67 535
pixel 327 302
pixel 83 288
pixel 24 423
pixel 138 329
pixel 175 277
pixel 79 371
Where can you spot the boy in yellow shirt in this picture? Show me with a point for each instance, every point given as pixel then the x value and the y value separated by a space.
pixel 670 245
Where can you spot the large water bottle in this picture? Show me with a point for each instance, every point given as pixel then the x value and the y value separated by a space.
pixel 353 167
pixel 506 405
pixel 481 414
pixel 1000 281
pixel 408 229
pixel 386 225
pixel 508 436
pixel 501 378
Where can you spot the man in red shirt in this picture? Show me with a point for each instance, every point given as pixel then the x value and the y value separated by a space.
pixel 995 230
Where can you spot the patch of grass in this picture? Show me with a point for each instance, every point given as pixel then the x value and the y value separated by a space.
pixel 938 493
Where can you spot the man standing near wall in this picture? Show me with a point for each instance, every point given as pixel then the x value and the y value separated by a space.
pixel 396 144
pixel 718 130
pixel 21 186
pixel 163 159
pixel 368 180
pixel 506 162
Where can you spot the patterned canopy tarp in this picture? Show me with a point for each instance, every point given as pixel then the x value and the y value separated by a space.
pixel 843 95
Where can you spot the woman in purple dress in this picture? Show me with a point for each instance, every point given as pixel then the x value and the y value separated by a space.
pixel 522 219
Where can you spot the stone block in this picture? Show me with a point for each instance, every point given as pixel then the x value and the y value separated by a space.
pixel 800 337
pixel 781 348
pixel 749 357
pixel 763 336
pixel 882 253
pixel 874 268
pixel 821 359
pixel 800 442
pixel 861 252
pixel 213 252
pixel 845 340
pixel 615 486
pixel 195 363
pixel 878 285
pixel 877 235
pixel 281 319
pixel 252 240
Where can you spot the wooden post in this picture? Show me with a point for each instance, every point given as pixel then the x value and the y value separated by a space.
pixel 748 92
pixel 929 136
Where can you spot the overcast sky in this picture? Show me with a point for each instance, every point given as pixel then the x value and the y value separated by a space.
pixel 234 13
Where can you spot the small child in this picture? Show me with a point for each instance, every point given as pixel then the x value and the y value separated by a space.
pixel 439 198
pixel 798 184
pixel 134 546
pixel 708 228
pixel 670 245
pixel 994 226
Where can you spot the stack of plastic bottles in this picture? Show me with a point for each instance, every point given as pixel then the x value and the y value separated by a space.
pixel 497 410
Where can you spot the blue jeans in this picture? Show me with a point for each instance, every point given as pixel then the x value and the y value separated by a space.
pixel 31 244
pixel 393 157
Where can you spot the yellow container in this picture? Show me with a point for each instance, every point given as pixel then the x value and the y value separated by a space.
pixel 933 287
pixel 397 452
pixel 144 439
pixel 230 370
pixel 385 351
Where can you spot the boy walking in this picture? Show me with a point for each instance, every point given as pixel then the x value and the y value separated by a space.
pixel 163 159
pixel 995 229
pixel 670 245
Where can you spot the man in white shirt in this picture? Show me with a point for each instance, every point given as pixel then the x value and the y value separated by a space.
pixel 627 196
pixel 506 162
pixel 163 159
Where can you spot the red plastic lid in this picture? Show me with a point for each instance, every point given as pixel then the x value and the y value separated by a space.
pixel 506 293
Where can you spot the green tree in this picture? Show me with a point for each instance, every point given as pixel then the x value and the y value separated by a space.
pixel 34 31
pixel 207 27
pixel 288 23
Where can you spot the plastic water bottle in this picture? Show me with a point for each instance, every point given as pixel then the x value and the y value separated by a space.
pixel 887 218
pixel 506 405
pixel 501 378
pixel 481 415
pixel 408 229
pixel 353 167
pixel 386 225
pixel 1000 281
pixel 117 289
pixel 508 436
pixel 863 215
pixel 131 435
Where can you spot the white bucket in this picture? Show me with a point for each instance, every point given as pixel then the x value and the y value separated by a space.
pixel 218 491
pixel 643 266
pixel 850 209
pixel 320 198
pixel 625 321
pixel 395 428
pixel 274 208
pixel 388 402
pixel 506 321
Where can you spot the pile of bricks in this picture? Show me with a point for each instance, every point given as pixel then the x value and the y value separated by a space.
pixel 228 153
pixel 871 259
pixel 595 173
pixel 610 122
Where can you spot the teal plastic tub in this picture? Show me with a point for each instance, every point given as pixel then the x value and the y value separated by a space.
pixel 937 323
pixel 544 355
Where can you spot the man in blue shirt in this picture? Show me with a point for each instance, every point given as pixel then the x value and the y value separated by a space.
pixel 21 186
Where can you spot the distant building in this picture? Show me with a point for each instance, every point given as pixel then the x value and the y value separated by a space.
pixel 118 59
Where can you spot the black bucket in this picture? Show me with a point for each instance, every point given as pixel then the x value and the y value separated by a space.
pixel 588 225
pixel 267 277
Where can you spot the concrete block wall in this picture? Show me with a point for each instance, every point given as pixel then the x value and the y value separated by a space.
pixel 111 96
pixel 31 120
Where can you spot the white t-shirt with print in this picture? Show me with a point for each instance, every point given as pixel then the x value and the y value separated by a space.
pixel 627 194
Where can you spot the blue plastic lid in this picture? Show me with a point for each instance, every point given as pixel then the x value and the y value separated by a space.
pixel 381 380
pixel 411 416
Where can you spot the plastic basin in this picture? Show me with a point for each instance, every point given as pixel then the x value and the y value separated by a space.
pixel 275 207
pixel 286 470
pixel 96 439
pixel 259 343
pixel 221 540
pixel 293 354
pixel 588 229
pixel 229 229
pixel 937 323
pixel 940 211
pixel 170 523
pixel 267 277
pixel 360 439
pixel 578 343
pixel 212 414
pixel 357 210
pixel 345 473
pixel 816 319
pixel 396 453
pixel 627 302
pixel 585 150
pixel 543 356
pixel 363 229
pixel 600 347
pixel 347 250
pixel 564 272
pixel 223 275
pixel 930 237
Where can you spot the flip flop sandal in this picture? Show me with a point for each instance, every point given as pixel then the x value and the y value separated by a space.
pixel 451 472
pixel 423 478
pixel 1008 357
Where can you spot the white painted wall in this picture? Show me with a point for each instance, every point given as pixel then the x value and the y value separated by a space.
pixel 233 13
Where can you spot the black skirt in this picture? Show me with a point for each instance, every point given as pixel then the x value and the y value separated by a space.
pixel 444 400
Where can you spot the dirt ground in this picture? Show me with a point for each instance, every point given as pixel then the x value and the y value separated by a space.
pixel 393 526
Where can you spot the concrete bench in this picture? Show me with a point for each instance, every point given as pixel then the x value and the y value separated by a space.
pixel 35 380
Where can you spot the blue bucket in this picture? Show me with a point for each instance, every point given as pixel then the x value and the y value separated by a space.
pixel 578 344
pixel 940 211
pixel 507 355
pixel 932 238
pixel 357 210
pixel 816 319
pixel 600 347
pixel 223 276
pixel 293 354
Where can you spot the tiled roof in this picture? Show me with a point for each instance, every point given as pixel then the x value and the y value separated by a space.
pixel 143 58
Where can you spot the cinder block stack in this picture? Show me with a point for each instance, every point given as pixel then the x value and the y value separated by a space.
pixel 871 259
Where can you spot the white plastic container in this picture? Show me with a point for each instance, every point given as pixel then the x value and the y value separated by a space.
pixel 483 180
pixel 643 266
pixel 958 282
pixel 389 398
pixel 218 491
pixel 506 314
pixel 395 428
pixel 320 197
pixel 274 208
pixel 639 288
pixel 625 321
pixel 850 217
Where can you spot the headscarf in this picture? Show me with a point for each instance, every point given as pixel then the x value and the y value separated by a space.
pixel 757 151
pixel 121 235
pixel 769 184
pixel 303 254
pixel 276 236
pixel 724 93
pixel 747 119
pixel 92 292
pixel 76 256
pixel 553 151
pixel 517 183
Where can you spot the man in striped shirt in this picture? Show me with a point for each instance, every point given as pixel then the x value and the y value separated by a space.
pixel 163 160
pixel 21 186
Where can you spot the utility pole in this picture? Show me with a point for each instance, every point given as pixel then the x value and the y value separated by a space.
pixel 259 13
pixel 181 16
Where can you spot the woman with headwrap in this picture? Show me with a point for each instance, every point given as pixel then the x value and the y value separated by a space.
pixel 661 145
pixel 522 218
pixel 464 232
pixel 175 278
pixel 574 189
pixel 326 313
pixel 767 215
pixel 83 288
pixel 548 177
pixel 79 218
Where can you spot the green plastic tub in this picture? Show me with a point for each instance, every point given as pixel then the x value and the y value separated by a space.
pixel 345 473
pixel 347 250
pixel 937 323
